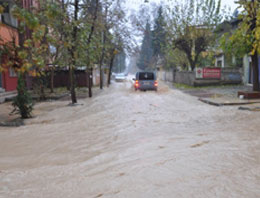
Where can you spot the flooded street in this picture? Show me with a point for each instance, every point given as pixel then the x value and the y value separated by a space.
pixel 128 144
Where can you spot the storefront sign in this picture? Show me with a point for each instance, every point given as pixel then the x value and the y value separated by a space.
pixel 214 73
pixel 208 73
pixel 199 72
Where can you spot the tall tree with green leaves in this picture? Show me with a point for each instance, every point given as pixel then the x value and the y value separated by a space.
pixel 246 38
pixel 146 54
pixel 22 103
pixel 112 18
pixel 191 25
pixel 104 38
pixel 120 37
pixel 74 30
pixel 159 34
pixel 89 38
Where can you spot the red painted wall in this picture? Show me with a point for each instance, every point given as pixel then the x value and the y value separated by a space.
pixel 1 79
pixel 7 32
pixel 9 83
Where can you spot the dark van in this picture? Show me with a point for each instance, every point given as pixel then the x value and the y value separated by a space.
pixel 145 81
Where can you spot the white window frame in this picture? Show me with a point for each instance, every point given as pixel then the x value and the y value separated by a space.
pixel 12 72
pixel 7 17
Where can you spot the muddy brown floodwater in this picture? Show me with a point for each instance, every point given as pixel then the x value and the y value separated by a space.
pixel 127 144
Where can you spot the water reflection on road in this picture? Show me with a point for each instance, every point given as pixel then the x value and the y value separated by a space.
pixel 124 143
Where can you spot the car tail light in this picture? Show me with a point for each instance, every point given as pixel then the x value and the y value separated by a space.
pixel 156 83
pixel 136 83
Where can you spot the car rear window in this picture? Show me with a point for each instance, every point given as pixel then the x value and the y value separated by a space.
pixel 146 76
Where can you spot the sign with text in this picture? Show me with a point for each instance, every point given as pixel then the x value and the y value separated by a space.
pixel 214 73
pixel 199 72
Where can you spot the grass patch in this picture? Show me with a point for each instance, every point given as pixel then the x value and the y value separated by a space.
pixel 59 90
pixel 183 86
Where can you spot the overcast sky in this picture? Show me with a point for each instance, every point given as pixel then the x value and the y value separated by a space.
pixel 134 4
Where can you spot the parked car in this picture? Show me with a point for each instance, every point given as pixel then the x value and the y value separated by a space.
pixel 145 81
pixel 120 77
pixel 113 76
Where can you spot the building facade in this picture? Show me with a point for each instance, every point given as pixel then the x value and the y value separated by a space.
pixel 9 33
pixel 248 70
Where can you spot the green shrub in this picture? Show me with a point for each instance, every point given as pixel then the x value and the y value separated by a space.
pixel 22 103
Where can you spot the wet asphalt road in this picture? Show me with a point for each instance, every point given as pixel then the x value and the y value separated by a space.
pixel 128 144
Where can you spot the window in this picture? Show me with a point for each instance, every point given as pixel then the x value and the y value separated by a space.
pixel 219 63
pixel 146 76
pixel 239 62
pixel 6 16
pixel 12 73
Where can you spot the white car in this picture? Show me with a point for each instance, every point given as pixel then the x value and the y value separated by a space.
pixel 120 77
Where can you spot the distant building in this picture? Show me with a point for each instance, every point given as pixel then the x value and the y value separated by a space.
pixel 223 60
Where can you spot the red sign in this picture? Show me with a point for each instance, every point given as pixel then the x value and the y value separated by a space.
pixel 212 73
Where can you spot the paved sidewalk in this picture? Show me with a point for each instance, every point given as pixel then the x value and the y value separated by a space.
pixel 7 96
pixel 6 118
pixel 224 100
pixel 223 96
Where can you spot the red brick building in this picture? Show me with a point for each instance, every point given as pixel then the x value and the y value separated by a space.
pixel 8 32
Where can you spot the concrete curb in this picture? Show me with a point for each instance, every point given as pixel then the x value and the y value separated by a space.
pixel 55 97
pixel 210 102
pixel 249 109
pixel 226 103
pixel 12 123
pixel 7 98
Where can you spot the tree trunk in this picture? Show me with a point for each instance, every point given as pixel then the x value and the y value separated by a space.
pixel 41 81
pixel 90 82
pixel 72 85
pixel 52 80
pixel 101 61
pixel 100 77
pixel 42 93
pixel 92 29
pixel 73 55
pixel 255 56
pixel 104 38
pixel 191 62
pixel 255 72
pixel 110 70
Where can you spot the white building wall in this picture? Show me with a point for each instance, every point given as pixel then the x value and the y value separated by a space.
pixel 222 59
pixel 246 65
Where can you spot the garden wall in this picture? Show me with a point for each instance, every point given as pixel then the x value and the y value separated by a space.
pixel 228 76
